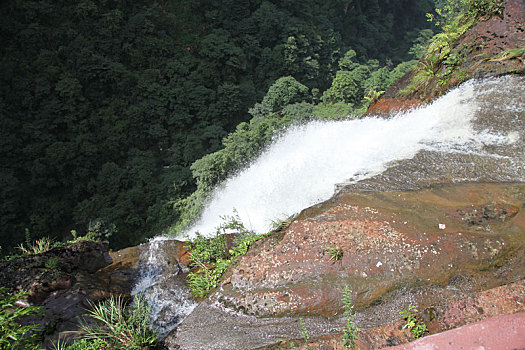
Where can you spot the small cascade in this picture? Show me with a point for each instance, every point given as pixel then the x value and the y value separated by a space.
pixel 162 280
pixel 474 133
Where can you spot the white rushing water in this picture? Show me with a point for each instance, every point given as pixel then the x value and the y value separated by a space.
pixel 301 167
pixel 482 122
pixel 163 286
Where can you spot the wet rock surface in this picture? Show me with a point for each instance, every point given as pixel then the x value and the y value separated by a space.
pixel 80 274
pixel 219 328
pixel 467 309
pixel 386 239
pixel 503 162
pixel 163 264
pixel 394 254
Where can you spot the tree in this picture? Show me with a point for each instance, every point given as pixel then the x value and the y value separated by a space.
pixel 284 91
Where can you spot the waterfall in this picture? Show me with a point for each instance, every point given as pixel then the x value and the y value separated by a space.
pixel 163 285
pixel 473 133
pixel 302 166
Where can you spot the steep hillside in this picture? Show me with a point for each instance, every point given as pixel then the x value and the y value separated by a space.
pixel 492 47
pixel 441 232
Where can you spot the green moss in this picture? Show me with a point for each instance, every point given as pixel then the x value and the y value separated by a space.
pixel 509 54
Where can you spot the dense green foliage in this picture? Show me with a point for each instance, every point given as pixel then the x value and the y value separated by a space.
pixel 116 325
pixel 104 105
pixel 13 335
pixel 441 54
pixel 210 257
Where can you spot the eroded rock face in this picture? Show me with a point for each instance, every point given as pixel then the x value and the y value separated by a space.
pixel 478 50
pixel 394 254
pixel 387 240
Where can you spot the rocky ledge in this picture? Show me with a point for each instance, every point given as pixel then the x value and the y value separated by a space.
pixel 478 53
pixel 442 249
pixel 64 281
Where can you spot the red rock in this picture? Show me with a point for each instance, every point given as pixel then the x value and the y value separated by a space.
pixel 393 105
pixel 387 239
pixel 502 332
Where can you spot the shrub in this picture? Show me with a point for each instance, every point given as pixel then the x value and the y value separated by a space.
pixel 210 258
pixel 285 91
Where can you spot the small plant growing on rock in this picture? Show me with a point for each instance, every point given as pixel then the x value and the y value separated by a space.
pixel 39 246
pixel 351 330
pixel 12 334
pixel 417 327
pixel 304 331
pixel 210 258
pixel 52 263
pixel 280 224
pixel 336 254
pixel 205 278
pixel 116 325
pixel 89 236
pixel 509 54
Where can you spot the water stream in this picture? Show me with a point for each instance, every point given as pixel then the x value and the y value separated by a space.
pixel 474 133
pixel 301 168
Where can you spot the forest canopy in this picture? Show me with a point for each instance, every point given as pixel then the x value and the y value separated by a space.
pixel 105 105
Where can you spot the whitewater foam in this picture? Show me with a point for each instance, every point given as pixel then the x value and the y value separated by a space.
pixel 301 167
pixel 480 122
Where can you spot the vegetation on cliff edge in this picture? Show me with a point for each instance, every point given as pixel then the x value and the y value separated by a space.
pixel 105 105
